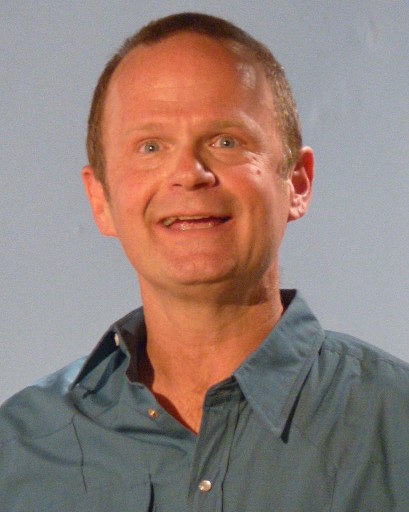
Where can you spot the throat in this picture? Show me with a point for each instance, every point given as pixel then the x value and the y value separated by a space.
pixel 185 406
pixel 187 411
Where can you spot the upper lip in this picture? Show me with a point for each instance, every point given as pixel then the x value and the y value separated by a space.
pixel 170 219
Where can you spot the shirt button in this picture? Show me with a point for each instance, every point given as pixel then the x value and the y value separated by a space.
pixel 153 414
pixel 205 486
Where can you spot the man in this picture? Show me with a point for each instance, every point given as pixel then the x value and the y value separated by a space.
pixel 223 393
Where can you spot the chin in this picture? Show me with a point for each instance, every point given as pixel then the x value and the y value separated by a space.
pixel 200 277
pixel 194 273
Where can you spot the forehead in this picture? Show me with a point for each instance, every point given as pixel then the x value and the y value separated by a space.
pixel 194 50
pixel 187 62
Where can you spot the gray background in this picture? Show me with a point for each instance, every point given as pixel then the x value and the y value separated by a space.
pixel 62 284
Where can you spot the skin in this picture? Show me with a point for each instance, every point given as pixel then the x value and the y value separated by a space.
pixel 197 201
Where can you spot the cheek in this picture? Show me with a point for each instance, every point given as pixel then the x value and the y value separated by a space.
pixel 270 200
pixel 263 185
pixel 124 214
pixel 130 197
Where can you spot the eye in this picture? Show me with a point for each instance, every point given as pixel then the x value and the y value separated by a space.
pixel 225 142
pixel 150 147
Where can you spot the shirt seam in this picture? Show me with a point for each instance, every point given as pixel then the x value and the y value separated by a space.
pixel 81 452
pixel 339 467
pixel 334 467
pixel 77 496
pixel 394 364
pixel 39 436
pixel 369 463
pixel 334 486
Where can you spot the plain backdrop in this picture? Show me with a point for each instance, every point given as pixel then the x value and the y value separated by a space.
pixel 62 284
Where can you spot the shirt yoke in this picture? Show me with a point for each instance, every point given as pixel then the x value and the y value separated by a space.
pixel 354 405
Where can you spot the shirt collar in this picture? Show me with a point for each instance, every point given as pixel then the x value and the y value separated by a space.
pixel 120 337
pixel 270 379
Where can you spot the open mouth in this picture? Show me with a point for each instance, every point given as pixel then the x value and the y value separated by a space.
pixel 186 222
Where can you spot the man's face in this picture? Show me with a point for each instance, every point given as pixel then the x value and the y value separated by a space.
pixel 192 161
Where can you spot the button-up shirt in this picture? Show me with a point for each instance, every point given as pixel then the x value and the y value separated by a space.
pixel 311 421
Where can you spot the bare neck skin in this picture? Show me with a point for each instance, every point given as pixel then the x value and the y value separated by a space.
pixel 194 344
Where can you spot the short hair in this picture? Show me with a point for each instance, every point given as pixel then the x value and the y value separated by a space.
pixel 218 29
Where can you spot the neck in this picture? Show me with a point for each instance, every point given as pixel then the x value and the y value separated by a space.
pixel 194 344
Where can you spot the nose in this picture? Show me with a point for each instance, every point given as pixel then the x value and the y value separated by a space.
pixel 190 171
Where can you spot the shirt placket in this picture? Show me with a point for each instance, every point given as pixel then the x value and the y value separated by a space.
pixel 211 458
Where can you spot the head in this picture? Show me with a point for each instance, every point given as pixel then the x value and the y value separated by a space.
pixel 194 175
pixel 239 42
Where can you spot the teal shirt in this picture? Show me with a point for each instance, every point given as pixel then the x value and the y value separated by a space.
pixel 312 421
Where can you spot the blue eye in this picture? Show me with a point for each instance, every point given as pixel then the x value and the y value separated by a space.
pixel 150 147
pixel 225 143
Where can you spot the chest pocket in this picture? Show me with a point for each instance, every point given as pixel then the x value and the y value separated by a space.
pixel 137 498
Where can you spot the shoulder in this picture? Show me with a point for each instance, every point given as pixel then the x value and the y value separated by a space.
pixel 366 364
pixel 40 456
pixel 357 403
pixel 41 408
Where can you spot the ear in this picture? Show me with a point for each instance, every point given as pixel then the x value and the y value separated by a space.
pixel 301 179
pixel 98 200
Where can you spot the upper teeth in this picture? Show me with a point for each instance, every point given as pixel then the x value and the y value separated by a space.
pixel 171 220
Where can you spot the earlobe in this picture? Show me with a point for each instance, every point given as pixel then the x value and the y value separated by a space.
pixel 99 203
pixel 301 179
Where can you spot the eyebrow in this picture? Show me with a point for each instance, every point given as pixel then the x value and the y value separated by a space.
pixel 146 127
pixel 245 123
pixel 217 124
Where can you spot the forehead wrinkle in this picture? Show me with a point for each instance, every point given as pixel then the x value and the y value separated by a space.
pixel 129 87
pixel 247 74
pixel 235 57
pixel 241 121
